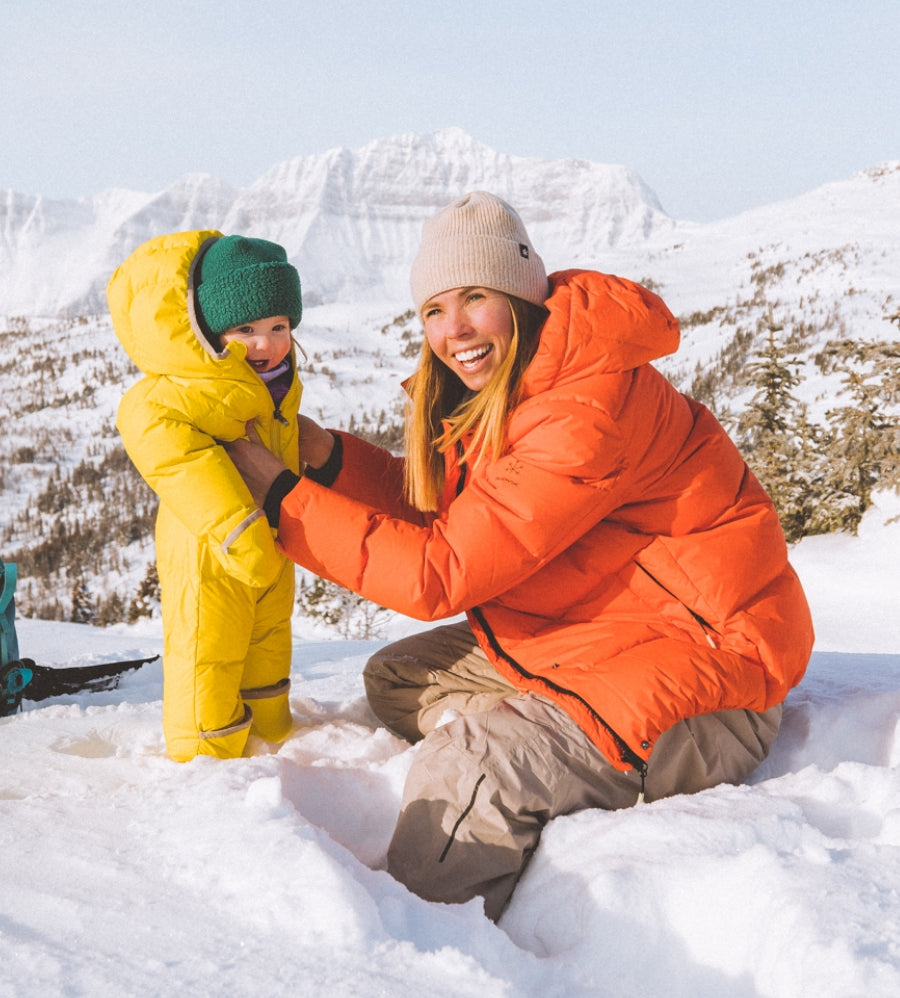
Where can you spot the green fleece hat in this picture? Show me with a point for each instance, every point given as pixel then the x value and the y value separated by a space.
pixel 242 280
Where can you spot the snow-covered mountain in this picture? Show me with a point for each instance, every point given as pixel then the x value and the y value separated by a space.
pixel 350 220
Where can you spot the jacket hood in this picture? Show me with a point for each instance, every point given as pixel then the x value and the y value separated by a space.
pixel 152 304
pixel 598 324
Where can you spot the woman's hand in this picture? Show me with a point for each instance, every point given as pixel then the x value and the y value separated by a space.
pixel 316 443
pixel 255 463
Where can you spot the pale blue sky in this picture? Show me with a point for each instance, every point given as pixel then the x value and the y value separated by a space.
pixel 719 106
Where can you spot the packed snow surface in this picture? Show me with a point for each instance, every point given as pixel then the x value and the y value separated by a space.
pixel 127 874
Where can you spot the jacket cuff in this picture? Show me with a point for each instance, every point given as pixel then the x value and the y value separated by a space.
pixel 331 468
pixel 283 484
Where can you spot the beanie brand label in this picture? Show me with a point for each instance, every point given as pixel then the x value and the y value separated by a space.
pixel 523 250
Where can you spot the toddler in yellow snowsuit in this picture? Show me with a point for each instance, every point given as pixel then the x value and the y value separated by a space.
pixel 207 319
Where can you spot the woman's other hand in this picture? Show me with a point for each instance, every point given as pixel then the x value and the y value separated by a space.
pixel 255 463
pixel 316 443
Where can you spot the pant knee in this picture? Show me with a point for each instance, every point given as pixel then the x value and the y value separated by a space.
pixel 710 749
pixel 378 682
pixel 450 852
pixel 465 829
pixel 395 694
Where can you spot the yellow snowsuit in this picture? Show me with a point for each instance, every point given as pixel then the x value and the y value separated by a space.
pixel 227 593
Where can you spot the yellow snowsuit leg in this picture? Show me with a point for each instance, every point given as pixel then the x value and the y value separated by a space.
pixel 226 655
pixel 265 682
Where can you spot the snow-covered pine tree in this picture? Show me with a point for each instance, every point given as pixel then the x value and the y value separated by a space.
pixel 864 450
pixel 84 609
pixel 352 616
pixel 776 437
pixel 148 595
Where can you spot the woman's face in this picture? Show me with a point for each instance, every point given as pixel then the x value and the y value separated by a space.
pixel 469 330
pixel 268 341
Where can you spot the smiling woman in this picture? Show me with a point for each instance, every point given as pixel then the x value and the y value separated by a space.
pixel 633 624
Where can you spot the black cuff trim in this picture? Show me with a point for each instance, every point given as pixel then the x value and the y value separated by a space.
pixel 331 468
pixel 283 484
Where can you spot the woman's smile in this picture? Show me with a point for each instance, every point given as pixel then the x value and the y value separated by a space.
pixel 471 358
pixel 469 330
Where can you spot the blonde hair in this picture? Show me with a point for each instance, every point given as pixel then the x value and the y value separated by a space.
pixel 436 396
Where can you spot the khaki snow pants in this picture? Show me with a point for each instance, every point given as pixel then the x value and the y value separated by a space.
pixel 495 765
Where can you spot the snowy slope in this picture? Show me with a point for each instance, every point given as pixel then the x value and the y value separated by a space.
pixel 125 874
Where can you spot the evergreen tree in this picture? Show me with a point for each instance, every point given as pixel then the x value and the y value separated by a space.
pixel 148 596
pixel 766 422
pixel 110 611
pixel 83 607
pixel 865 448
pixel 777 439
pixel 331 604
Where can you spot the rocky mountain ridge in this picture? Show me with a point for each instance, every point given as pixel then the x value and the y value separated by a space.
pixel 349 220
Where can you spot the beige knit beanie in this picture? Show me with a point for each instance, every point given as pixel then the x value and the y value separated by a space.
pixel 478 241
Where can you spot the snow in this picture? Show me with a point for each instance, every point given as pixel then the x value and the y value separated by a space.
pixel 127 874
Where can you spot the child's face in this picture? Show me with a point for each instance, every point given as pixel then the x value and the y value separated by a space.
pixel 268 341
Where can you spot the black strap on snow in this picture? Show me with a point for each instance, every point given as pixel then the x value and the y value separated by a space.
pixel 22 679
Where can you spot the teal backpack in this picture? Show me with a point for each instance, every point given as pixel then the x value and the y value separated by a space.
pixel 9 643
pixel 13 679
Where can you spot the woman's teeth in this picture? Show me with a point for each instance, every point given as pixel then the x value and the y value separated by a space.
pixel 470 356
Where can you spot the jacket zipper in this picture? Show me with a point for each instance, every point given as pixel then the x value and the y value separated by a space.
pixel 708 630
pixel 277 414
pixel 626 754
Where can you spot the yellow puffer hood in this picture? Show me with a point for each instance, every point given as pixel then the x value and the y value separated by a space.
pixel 152 304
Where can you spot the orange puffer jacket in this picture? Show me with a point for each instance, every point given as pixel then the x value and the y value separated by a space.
pixel 619 559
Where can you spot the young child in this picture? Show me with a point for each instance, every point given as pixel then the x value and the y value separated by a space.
pixel 207 319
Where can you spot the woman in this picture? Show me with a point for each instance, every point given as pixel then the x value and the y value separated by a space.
pixel 632 622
